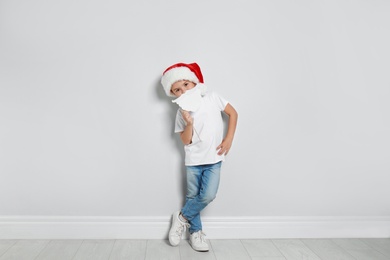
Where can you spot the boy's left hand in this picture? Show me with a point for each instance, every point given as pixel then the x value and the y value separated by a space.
pixel 224 147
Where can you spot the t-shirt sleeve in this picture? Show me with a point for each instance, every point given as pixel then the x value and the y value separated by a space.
pixel 219 101
pixel 180 124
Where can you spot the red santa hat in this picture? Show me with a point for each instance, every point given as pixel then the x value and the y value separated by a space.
pixel 180 71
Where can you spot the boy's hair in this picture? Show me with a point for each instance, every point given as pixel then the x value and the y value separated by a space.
pixel 180 71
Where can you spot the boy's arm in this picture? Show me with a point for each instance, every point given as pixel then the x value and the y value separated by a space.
pixel 186 135
pixel 224 147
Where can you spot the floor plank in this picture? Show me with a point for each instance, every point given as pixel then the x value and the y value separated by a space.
pixel 327 250
pixel 5 245
pixel 359 249
pixel 254 249
pixel 25 250
pixel 162 250
pixel 187 253
pixel 129 249
pixel 380 244
pixel 98 249
pixel 294 249
pixel 268 258
pixel 264 248
pixel 229 250
pixel 60 250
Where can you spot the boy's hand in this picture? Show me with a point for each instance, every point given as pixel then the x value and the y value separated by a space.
pixel 187 117
pixel 224 147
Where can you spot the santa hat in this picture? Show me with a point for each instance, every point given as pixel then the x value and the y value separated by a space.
pixel 180 71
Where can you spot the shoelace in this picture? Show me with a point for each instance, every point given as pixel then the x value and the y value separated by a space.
pixel 200 236
pixel 182 228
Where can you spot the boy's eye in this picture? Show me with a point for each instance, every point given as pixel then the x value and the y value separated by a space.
pixel 186 84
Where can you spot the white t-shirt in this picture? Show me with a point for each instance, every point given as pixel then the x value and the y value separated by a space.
pixel 207 131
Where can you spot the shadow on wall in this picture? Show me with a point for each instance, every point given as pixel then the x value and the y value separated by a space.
pixel 171 116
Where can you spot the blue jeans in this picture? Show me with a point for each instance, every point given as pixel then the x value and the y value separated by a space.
pixel 202 187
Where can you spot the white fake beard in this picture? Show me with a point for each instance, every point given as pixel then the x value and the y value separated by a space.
pixel 190 101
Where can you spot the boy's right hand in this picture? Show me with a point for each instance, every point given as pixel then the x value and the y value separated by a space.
pixel 187 117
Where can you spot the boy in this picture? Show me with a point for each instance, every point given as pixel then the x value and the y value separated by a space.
pixel 201 132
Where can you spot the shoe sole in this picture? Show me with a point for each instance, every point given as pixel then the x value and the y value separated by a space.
pixel 169 236
pixel 199 250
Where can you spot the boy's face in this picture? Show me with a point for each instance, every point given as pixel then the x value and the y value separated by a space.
pixel 180 87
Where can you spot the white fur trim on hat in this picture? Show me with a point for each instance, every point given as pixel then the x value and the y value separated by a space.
pixel 176 74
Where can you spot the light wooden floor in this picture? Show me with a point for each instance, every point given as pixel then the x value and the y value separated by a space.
pixel 262 249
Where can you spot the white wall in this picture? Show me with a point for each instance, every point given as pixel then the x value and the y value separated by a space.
pixel 86 130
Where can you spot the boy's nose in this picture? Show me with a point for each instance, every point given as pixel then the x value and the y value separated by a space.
pixel 183 90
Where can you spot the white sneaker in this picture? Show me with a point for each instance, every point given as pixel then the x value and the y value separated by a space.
pixel 177 229
pixel 198 241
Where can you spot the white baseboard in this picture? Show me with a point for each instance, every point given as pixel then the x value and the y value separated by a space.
pixel 64 227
